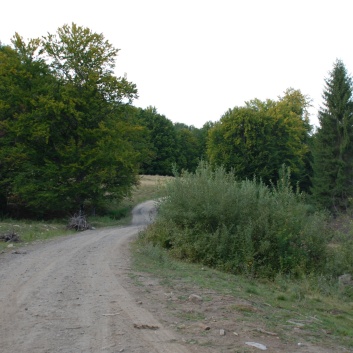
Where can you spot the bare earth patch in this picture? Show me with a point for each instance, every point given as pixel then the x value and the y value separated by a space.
pixel 217 323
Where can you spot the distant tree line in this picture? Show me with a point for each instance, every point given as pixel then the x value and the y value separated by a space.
pixel 71 138
pixel 170 144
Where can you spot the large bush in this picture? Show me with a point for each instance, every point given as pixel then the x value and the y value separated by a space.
pixel 240 226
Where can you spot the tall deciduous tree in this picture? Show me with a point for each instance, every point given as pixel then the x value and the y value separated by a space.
pixel 258 138
pixel 72 133
pixel 333 143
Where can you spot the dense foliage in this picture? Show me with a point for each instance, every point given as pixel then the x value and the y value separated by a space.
pixel 240 226
pixel 70 139
pixel 258 138
pixel 333 143
pixel 170 144
pixel 189 149
pixel 161 135
pixel 64 141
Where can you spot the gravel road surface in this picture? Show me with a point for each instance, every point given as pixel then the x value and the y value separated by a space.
pixel 68 295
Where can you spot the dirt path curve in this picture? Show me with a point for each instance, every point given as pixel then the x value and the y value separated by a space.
pixel 67 295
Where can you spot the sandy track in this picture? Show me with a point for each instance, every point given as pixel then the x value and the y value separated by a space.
pixel 67 295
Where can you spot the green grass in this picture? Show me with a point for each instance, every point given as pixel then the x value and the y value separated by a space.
pixel 191 316
pixel 295 309
pixel 30 231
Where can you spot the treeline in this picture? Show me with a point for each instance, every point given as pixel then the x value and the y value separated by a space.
pixel 170 144
pixel 71 138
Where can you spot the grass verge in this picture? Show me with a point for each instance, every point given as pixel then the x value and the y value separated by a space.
pixel 30 231
pixel 311 310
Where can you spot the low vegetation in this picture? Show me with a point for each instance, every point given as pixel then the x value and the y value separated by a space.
pixel 314 310
pixel 245 227
pixel 294 292
pixel 28 231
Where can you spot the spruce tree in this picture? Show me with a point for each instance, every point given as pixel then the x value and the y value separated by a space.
pixel 333 143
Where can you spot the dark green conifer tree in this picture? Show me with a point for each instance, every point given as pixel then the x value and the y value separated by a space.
pixel 333 143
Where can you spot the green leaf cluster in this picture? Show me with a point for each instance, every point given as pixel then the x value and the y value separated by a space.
pixel 255 140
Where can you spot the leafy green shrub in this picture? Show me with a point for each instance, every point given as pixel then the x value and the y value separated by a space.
pixel 240 226
pixel 340 259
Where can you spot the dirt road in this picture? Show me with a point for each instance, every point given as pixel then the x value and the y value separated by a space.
pixel 68 295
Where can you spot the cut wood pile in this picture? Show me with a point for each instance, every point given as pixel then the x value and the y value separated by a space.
pixel 78 222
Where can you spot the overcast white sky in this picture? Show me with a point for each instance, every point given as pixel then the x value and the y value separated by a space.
pixel 195 59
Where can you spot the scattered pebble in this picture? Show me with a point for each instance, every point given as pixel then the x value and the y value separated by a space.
pixel 257 345
pixel 195 298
